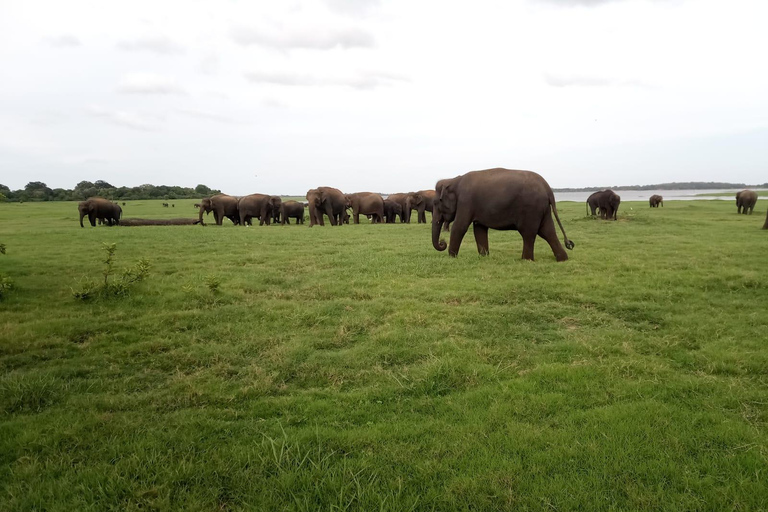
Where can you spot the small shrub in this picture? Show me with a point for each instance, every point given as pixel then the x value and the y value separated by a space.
pixel 212 282
pixel 6 284
pixel 88 288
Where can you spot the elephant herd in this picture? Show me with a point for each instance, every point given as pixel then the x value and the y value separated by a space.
pixel 500 199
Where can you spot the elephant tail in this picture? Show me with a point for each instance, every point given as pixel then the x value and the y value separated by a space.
pixel 568 243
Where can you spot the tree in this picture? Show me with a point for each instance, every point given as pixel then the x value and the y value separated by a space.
pixel 202 190
pixel 102 184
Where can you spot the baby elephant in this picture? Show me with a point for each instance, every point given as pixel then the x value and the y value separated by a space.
pixel 745 200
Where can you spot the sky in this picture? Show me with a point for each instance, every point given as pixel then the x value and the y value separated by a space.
pixel 382 95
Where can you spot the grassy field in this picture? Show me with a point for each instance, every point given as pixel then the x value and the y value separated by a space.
pixel 356 368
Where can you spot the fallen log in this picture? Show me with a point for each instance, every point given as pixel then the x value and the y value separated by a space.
pixel 158 222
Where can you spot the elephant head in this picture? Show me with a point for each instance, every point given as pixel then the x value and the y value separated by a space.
pixel 84 208
pixel 205 206
pixel 444 209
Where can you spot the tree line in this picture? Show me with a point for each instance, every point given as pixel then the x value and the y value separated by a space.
pixel 677 185
pixel 39 191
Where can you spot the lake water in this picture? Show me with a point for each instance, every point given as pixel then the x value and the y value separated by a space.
pixel 668 195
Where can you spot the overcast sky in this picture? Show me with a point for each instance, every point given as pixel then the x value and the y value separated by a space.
pixel 382 95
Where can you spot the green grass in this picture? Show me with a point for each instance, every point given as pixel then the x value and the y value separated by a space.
pixel 356 368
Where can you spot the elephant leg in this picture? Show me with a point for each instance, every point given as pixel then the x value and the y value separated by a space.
pixel 459 229
pixel 481 238
pixel 331 215
pixel 92 219
pixel 548 232
pixel 528 240
pixel 356 215
pixel 422 216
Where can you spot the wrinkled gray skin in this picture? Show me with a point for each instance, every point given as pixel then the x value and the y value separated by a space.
pixel 392 210
pixel 260 206
pixel 99 208
pixel 291 210
pixel 497 199
pixel 329 201
pixel 656 200
pixel 745 201
pixel 222 205
pixel 421 201
pixel 367 203
pixel 606 202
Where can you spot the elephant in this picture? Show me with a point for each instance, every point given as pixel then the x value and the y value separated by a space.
pixel 500 199
pixel 392 209
pixel 420 201
pixel 367 203
pixel 656 200
pixel 606 202
pixel 291 209
pixel 99 208
pixel 222 205
pixel 400 199
pixel 260 206
pixel 745 200
pixel 329 201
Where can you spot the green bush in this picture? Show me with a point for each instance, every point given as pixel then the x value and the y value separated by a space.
pixel 89 288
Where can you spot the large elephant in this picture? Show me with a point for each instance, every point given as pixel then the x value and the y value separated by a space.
pixel 745 200
pixel 222 205
pixel 329 201
pixel 420 201
pixel 291 210
pixel 260 206
pixel 606 202
pixel 497 199
pixel 656 200
pixel 392 210
pixel 367 203
pixel 99 208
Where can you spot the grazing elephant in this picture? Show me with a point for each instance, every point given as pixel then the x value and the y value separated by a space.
pixel 329 201
pixel 260 206
pixel 606 202
pixel 498 199
pixel 420 201
pixel 745 200
pixel 391 210
pixel 656 200
pixel 99 208
pixel 222 205
pixel 291 210
pixel 367 203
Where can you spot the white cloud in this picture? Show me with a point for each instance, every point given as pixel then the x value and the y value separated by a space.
pixel 312 38
pixel 125 119
pixel 360 80
pixel 63 41
pixel 147 83
pixel 206 116
pixel 152 43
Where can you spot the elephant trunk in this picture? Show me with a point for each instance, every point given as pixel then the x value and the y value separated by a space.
pixel 437 226
pixel 81 219
pixel 200 217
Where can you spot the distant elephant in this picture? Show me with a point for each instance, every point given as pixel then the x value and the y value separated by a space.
pixel 367 203
pixel 291 210
pixel 222 205
pixel 656 200
pixel 329 201
pixel 165 205
pixel 399 199
pixel 420 201
pixel 745 200
pixel 99 208
pixel 392 210
pixel 260 206
pixel 498 199
pixel 606 202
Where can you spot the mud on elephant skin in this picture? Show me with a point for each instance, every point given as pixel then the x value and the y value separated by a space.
pixel 500 199
pixel 260 206
pixel 745 201
pixel 99 208
pixel 222 205
pixel 329 201
pixel 367 203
